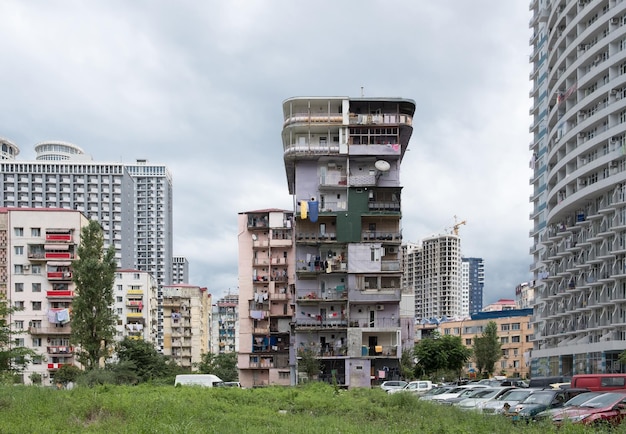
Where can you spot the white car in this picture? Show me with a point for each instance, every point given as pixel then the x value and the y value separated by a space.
pixel 393 384
pixel 456 391
pixel 480 398
pixel 415 387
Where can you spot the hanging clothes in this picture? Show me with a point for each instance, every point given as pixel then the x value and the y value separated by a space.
pixel 304 208
pixel 313 206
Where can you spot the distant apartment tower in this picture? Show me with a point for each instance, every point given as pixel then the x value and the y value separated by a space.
pixel 473 283
pixel 132 202
pixel 135 295
pixel 186 316
pixel 438 291
pixel 37 248
pixel 180 270
pixel 342 159
pixel 524 295
pixel 225 325
pixel 266 270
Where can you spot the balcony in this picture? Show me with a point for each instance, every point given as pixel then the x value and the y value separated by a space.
pixel 320 324
pixel 132 315
pixel 60 294
pixel 59 275
pixel 59 237
pixel 55 366
pixel 60 350
pixel 50 330
pixel 134 292
pixel 58 255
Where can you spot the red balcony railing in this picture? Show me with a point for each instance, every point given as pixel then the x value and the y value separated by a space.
pixel 55 366
pixel 59 294
pixel 58 237
pixel 59 255
pixel 60 275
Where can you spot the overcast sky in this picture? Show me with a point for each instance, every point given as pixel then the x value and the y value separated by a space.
pixel 199 86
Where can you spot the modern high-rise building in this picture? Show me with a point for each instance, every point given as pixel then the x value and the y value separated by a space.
pixel 437 278
pixel 473 283
pixel 342 158
pixel 180 270
pixel 266 275
pixel 579 185
pixel 132 202
pixel 37 248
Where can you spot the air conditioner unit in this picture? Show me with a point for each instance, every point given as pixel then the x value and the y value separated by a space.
pixel 26 267
pixel 392 250
pixel 380 307
pixel 582 182
pixel 332 165
pixel 615 20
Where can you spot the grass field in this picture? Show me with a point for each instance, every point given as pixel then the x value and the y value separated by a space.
pixel 315 408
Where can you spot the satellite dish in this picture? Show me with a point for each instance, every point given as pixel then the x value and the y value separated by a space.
pixel 254 237
pixel 382 165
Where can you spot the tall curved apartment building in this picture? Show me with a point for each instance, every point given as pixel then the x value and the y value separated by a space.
pixel 579 175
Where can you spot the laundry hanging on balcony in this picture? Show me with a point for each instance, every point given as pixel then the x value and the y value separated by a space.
pixel 304 207
pixel 313 206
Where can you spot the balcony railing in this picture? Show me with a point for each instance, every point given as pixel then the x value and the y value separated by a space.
pixel 60 294
pixel 60 275
pixel 50 330
pixel 60 350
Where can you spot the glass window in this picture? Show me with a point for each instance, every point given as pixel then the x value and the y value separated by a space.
pixel 36 287
pixel 19 287
pixel 18 232
pixel 35 232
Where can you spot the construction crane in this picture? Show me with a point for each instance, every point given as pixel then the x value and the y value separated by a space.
pixel 457 224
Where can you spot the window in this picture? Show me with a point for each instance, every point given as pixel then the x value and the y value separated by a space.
pixel 36 324
pixel 446 331
pixel 36 287
pixel 515 339
pixel 36 305
pixel 505 327
pixel 35 269
pixel 36 342
pixel 19 250
pixel 468 341
pixel 19 325
pixel 19 287
pixel 35 232
pixel 19 342
pixel 515 326
pixel 136 276
pixel 18 305
pixel 36 360
pixel 18 232
pixel 120 311
pixel 516 364
pixel 504 340
pixel 119 287
pixel 119 299
pixel 283 375
pixel 18 269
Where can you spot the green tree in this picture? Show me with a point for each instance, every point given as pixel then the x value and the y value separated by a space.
pixel 309 364
pixel 93 320
pixel 456 353
pixel 66 374
pixel 487 349
pixel 143 358
pixel 430 358
pixel 224 365
pixel 13 358
pixel 407 365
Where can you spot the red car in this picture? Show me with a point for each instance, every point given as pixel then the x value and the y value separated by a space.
pixel 607 408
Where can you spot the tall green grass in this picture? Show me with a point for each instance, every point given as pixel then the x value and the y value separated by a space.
pixel 315 408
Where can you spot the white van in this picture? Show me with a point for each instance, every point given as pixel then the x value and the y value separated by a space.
pixel 205 380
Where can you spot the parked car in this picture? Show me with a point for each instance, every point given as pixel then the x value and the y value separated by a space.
pixel 415 387
pixel 228 384
pixel 575 401
pixel 541 400
pixel 600 382
pixel 606 408
pixel 435 391
pixel 512 397
pixel 392 384
pixel 467 393
pixel 481 397
pixel 456 391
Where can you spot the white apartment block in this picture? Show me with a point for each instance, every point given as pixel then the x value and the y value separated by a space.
pixel 186 318
pixel 135 295
pixel 37 247
pixel 437 277
pixel 578 179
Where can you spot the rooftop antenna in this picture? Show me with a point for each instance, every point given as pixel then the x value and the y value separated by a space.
pixel 362 93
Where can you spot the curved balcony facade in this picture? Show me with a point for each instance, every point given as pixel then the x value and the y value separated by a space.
pixel 579 185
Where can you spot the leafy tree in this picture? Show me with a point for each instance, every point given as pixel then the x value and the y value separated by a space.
pixel 143 359
pixel 308 363
pixel 407 365
pixel 93 320
pixel 13 358
pixel 430 358
pixel 66 374
pixel 487 349
pixel 456 353
pixel 224 365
